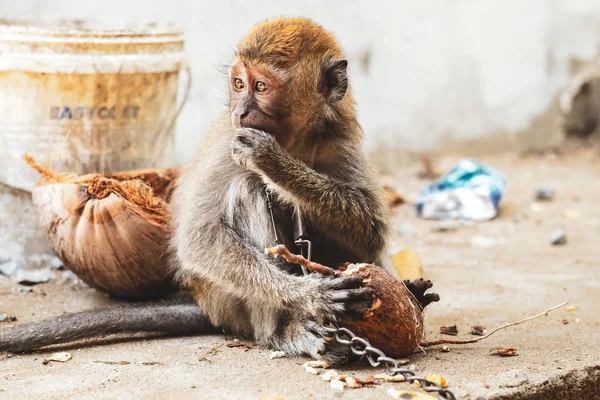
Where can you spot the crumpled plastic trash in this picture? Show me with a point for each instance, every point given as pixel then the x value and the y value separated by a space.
pixel 471 191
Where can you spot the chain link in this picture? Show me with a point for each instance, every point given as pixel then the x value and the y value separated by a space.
pixel 375 357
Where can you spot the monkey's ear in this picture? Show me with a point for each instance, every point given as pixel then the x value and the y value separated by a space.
pixel 336 80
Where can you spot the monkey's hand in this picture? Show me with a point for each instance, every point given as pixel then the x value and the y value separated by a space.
pixel 335 298
pixel 250 146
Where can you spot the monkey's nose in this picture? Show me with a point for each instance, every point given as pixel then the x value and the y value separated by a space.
pixel 244 114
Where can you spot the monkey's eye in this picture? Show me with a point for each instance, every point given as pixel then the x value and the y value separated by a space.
pixel 260 87
pixel 238 84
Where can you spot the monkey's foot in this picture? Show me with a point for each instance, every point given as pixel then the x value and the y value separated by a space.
pixel 418 287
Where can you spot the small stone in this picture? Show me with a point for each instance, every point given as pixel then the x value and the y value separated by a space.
pixel 26 289
pixel 329 375
pixel 445 348
pixel 448 225
pixel 3 317
pixel 544 194
pixel 33 277
pixel 558 238
pixel 276 354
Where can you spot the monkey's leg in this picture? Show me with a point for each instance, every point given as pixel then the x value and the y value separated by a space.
pixel 179 317
pixel 418 287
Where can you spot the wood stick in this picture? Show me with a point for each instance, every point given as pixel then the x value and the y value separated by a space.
pixel 448 341
pixel 281 250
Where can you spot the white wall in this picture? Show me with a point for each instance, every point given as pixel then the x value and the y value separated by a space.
pixel 438 69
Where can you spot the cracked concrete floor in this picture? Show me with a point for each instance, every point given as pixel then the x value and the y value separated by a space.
pixel 518 275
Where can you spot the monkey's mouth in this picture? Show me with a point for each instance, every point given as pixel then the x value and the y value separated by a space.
pixel 261 126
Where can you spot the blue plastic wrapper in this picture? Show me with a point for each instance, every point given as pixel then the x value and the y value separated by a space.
pixel 471 190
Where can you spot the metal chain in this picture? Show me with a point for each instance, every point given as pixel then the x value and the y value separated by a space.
pixel 362 347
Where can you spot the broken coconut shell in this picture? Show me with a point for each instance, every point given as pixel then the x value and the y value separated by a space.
pixel 394 324
pixel 111 230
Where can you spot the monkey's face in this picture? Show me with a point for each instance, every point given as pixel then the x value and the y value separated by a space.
pixel 259 100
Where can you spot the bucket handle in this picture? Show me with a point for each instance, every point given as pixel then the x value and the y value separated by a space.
pixel 163 133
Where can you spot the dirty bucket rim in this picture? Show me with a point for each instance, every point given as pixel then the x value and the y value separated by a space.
pixel 92 28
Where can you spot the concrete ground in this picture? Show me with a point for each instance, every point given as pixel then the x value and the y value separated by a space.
pixel 487 274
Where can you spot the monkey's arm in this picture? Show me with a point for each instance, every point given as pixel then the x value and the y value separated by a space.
pixel 237 267
pixel 347 206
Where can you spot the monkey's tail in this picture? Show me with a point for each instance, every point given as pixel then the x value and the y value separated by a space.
pixel 176 317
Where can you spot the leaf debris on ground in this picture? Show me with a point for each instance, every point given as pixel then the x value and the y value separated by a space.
pixel 239 344
pixel 504 351
pixel 478 330
pixel 449 330
pixel 112 362
pixel 311 366
pixel 58 357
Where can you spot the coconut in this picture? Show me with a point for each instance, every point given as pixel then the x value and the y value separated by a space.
pixel 394 323
pixel 111 230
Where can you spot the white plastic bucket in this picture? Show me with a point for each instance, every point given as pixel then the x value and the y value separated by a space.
pixel 86 98
pixel 82 96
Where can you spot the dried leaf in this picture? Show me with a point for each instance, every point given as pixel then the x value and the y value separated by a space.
pixel 311 370
pixel 352 382
pixel 478 330
pixel 58 357
pixel 277 354
pixel 393 198
pixel 370 380
pixel 571 308
pixel 408 264
pixel 337 384
pixel 341 382
pixel 406 395
pixel 236 344
pixel 113 362
pixel 438 379
pixel 504 351
pixel 390 378
pixel 311 366
pixel 329 375
pixel 449 330
pixel 318 364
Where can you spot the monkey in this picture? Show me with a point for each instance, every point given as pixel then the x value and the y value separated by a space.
pixel 287 145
